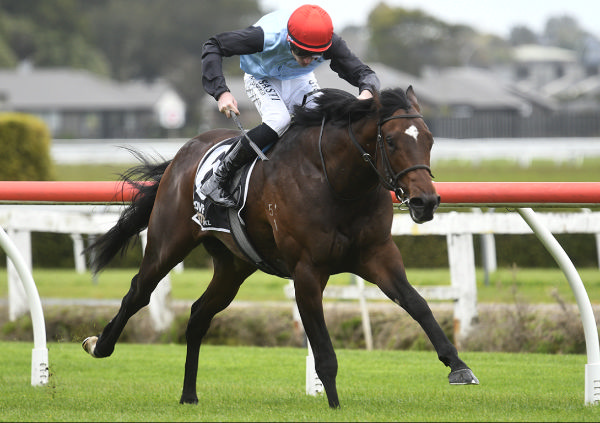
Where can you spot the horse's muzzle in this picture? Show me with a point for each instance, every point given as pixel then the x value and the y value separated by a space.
pixel 423 207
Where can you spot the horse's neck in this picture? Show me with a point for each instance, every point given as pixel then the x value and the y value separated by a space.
pixel 347 170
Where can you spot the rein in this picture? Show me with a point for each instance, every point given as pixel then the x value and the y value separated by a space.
pixel 335 194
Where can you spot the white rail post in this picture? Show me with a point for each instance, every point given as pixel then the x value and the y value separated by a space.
pixel 18 304
pixel 364 310
pixel 78 253
pixel 597 236
pixel 314 385
pixel 39 354
pixel 461 257
pixel 160 310
pixel 598 248
pixel 592 368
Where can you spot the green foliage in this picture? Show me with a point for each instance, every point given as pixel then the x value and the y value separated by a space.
pixel 55 34
pixel 509 327
pixel 24 148
pixel 7 57
pixel 50 249
pixel 536 286
pixel 53 250
pixel 519 250
pixel 410 39
pixel 564 31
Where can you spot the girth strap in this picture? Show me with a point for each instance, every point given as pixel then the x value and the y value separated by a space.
pixel 239 235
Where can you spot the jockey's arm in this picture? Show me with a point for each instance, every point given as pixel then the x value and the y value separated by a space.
pixel 226 44
pixel 351 68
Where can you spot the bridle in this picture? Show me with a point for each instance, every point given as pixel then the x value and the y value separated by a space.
pixel 390 180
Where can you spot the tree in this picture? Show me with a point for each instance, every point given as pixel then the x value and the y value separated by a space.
pixel 410 39
pixel 49 34
pixel 521 34
pixel 7 57
pixel 148 39
pixel 563 31
pixel 151 38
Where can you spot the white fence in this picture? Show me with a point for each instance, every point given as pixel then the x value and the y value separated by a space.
pixel 20 220
pixel 474 150
pixel 458 227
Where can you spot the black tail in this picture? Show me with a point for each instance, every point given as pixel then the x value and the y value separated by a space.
pixel 134 219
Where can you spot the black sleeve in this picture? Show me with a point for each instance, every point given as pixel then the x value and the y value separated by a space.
pixel 349 67
pixel 226 44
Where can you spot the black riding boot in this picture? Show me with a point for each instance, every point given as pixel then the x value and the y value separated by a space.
pixel 216 187
pixel 240 154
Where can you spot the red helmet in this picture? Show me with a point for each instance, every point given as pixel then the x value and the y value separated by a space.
pixel 310 28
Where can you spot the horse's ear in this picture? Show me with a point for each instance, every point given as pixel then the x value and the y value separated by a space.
pixel 410 94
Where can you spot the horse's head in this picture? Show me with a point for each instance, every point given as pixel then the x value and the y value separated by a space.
pixel 400 155
pixel 405 143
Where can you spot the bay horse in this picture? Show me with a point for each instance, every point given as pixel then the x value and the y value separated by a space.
pixel 320 205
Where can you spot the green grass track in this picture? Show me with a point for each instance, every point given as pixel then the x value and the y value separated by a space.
pixel 143 383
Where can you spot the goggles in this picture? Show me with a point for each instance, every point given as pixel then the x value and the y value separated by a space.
pixel 297 51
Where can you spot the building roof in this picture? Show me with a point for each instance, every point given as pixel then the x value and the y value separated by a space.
pixel 544 54
pixel 477 88
pixel 69 89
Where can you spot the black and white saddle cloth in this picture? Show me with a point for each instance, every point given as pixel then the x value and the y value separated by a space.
pixel 209 215
pixel 217 218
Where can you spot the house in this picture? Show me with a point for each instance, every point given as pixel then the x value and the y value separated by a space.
pixel 79 104
pixel 536 65
pixel 544 92
pixel 456 102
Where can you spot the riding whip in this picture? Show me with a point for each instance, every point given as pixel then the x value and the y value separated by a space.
pixel 255 147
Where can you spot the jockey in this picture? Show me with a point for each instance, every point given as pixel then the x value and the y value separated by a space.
pixel 278 55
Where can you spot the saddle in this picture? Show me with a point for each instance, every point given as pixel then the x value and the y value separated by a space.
pixel 213 217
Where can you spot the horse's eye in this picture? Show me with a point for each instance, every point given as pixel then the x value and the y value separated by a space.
pixel 390 140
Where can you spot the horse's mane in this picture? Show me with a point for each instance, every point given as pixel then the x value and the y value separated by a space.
pixel 338 107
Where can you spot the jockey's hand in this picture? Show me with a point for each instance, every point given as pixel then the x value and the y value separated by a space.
pixel 365 94
pixel 227 104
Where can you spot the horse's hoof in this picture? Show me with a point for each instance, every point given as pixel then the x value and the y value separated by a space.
pixel 89 344
pixel 463 377
pixel 189 400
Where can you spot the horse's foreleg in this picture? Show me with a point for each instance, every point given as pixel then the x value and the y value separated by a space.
pixel 416 306
pixel 389 274
pixel 309 298
pixel 229 273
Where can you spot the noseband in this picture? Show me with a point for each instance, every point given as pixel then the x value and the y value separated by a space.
pixel 390 180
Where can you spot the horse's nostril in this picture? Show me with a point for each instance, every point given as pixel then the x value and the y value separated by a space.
pixel 425 201
pixel 417 202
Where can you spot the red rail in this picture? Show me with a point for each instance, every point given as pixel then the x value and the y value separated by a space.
pixel 519 192
pixel 450 192
pixel 66 192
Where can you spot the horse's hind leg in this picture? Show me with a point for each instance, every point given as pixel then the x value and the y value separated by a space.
pixel 229 273
pixel 164 250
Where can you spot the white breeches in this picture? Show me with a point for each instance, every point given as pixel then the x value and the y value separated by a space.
pixel 275 99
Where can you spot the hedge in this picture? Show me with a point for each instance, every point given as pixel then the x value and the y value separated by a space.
pixel 24 148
